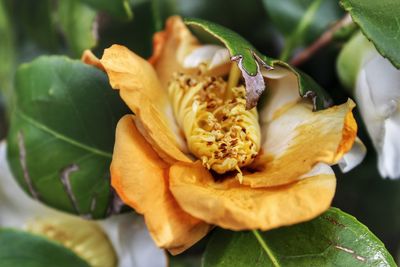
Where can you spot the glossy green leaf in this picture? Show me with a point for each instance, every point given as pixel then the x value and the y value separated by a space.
pixel 236 44
pixel 379 21
pixel 62 134
pixel 332 239
pixel 77 21
pixel 210 32
pixel 118 8
pixel 18 248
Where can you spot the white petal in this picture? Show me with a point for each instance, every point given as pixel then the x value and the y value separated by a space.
pixel 378 97
pixel 282 90
pixel 373 121
pixel 131 240
pixel 212 55
pixel 219 58
pixel 354 157
pixel 389 153
pixel 384 82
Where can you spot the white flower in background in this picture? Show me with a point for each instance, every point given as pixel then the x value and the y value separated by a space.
pixel 376 84
pixel 122 238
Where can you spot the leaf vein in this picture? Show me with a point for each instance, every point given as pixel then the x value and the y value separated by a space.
pixel 63 137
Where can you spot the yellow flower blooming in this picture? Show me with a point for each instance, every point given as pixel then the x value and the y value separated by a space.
pixel 192 156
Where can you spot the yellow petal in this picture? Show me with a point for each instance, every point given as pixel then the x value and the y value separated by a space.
pixel 232 205
pixel 140 178
pixel 171 46
pixel 142 92
pixel 295 138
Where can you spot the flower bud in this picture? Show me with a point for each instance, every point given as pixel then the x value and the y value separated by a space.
pixel 376 88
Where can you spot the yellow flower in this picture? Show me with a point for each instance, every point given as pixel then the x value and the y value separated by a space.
pixel 192 156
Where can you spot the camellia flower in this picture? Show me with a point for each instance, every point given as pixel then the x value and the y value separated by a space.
pixel 192 156
pixel 376 84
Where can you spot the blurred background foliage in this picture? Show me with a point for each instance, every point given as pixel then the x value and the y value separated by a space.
pixel 278 29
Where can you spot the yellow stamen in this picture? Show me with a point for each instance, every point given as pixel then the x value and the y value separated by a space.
pixel 218 128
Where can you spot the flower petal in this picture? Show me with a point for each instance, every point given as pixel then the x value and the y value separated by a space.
pixel 89 58
pixel 295 138
pixel 140 178
pixel 389 153
pixel 216 58
pixel 354 157
pixel 232 205
pixel 384 84
pixel 171 46
pixel 378 98
pixel 142 92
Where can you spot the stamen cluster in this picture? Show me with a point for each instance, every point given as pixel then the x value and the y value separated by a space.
pixel 218 128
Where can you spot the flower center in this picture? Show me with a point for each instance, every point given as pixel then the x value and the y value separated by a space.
pixel 218 128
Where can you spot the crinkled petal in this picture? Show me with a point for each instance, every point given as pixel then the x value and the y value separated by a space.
pixel 294 138
pixel 142 92
pixel 232 205
pixel 140 178
pixel 171 46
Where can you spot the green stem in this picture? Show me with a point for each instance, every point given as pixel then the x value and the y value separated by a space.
pixel 294 38
pixel 266 248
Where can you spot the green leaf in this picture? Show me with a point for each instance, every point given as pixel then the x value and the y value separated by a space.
pixel 333 239
pixel 62 134
pixel 118 8
pixel 236 44
pixel 380 23
pixel 251 60
pixel 77 21
pixel 287 15
pixel 7 52
pixel 18 248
